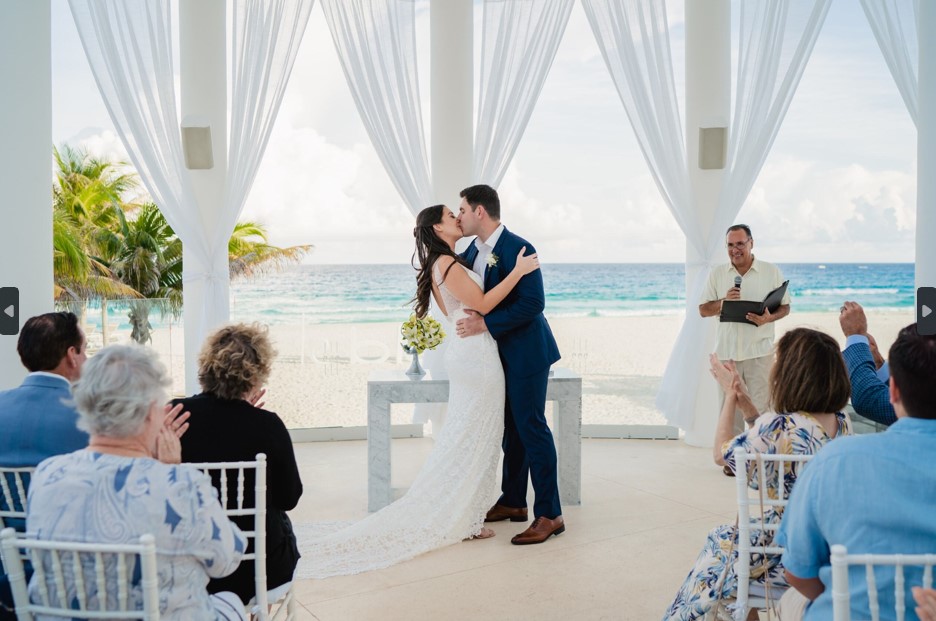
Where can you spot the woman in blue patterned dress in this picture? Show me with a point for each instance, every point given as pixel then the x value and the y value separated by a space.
pixel 808 389
pixel 129 482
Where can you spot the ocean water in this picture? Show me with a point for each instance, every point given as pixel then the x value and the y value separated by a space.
pixel 371 293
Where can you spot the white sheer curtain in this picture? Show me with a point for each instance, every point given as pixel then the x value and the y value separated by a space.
pixel 519 39
pixel 376 45
pixel 894 23
pixel 633 36
pixel 129 47
pixel 265 39
pixel 775 41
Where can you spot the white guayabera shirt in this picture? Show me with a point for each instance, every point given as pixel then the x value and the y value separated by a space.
pixel 742 341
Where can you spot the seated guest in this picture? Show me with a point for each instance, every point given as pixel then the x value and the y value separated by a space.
pixel 808 389
pixel 866 368
pixel 228 424
pixel 874 494
pixel 128 483
pixel 37 419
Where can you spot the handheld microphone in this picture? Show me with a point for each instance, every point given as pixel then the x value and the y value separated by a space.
pixel 737 282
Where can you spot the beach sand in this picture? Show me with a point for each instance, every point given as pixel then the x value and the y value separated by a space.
pixel 320 376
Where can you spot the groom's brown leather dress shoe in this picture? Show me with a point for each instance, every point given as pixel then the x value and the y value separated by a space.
pixel 498 513
pixel 539 531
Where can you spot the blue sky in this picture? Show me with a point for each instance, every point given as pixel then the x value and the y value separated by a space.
pixel 839 185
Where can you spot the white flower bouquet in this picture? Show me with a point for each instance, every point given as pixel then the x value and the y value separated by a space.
pixel 421 334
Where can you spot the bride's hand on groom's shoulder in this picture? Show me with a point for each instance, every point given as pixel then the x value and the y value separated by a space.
pixel 528 263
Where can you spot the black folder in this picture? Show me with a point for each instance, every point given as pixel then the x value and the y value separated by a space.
pixel 737 310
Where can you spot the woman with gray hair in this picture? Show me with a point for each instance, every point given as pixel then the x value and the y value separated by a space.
pixel 129 482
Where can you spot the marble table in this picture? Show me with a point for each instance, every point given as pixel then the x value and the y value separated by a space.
pixel 387 387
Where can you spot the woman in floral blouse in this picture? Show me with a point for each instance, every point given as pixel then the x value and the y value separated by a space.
pixel 808 388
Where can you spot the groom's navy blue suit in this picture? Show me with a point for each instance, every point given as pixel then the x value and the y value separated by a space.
pixel 527 349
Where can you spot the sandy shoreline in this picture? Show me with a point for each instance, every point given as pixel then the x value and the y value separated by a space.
pixel 319 378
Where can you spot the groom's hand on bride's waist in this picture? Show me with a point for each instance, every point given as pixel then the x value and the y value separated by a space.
pixel 471 325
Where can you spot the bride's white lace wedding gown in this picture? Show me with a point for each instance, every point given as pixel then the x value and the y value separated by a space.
pixel 454 489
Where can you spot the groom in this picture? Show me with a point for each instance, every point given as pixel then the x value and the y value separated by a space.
pixel 527 349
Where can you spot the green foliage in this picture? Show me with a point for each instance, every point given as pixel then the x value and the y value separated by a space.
pixel 107 247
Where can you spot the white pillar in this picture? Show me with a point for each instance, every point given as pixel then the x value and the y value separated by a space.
pixel 451 73
pixel 25 168
pixel 451 86
pixel 926 150
pixel 203 74
pixel 708 104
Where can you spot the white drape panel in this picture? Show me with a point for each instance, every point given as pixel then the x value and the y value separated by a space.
pixel 519 39
pixel 894 23
pixel 775 42
pixel 376 45
pixel 633 36
pixel 265 40
pixel 776 38
pixel 129 47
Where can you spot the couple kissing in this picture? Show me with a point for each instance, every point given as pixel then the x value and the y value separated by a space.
pixel 498 368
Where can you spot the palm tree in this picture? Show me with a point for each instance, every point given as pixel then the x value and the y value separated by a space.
pixel 106 247
pixel 144 253
pixel 249 254
pixel 87 194
pixel 148 257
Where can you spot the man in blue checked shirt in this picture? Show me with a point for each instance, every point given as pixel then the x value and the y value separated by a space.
pixel 867 370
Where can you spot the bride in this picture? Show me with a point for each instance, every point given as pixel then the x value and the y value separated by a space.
pixel 454 489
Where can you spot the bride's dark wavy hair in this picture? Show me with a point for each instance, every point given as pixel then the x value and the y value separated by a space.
pixel 429 247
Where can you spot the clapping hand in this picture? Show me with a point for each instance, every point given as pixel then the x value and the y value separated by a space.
pixel 168 446
pixel 875 352
pixel 723 372
pixel 176 420
pixel 254 399
pixel 727 376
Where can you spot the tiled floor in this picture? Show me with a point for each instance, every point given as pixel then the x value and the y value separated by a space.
pixel 646 507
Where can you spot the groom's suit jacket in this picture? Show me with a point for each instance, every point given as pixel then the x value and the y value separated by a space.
pixel 522 333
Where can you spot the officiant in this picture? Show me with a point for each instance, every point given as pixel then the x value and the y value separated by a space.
pixel 749 344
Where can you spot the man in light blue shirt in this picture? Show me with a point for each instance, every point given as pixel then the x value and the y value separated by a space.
pixel 873 493
pixel 37 419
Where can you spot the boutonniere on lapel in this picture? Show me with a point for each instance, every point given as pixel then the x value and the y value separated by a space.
pixel 492 260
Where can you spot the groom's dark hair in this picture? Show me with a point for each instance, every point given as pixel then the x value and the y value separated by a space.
pixel 483 195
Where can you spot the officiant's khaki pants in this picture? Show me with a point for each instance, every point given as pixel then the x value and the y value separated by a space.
pixel 756 374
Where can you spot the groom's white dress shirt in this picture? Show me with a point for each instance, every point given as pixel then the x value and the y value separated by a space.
pixel 484 250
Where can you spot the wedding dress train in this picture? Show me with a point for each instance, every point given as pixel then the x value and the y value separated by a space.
pixel 458 483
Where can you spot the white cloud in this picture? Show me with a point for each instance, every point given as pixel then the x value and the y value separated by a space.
pixel 802 210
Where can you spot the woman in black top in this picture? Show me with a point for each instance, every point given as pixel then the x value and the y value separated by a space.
pixel 226 424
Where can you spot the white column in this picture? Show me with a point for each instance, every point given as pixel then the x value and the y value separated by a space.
pixel 25 168
pixel 926 150
pixel 708 104
pixel 451 73
pixel 451 91
pixel 203 73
